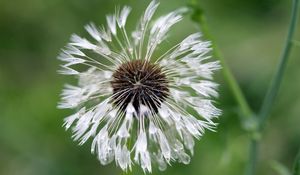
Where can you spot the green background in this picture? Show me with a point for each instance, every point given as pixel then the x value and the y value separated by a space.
pixel 250 34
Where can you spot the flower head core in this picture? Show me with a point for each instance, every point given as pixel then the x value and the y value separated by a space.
pixel 141 83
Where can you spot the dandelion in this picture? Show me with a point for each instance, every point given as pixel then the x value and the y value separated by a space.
pixel 136 107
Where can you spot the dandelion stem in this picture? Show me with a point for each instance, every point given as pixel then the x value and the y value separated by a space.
pixel 275 84
pixel 273 89
pixel 251 165
pixel 199 17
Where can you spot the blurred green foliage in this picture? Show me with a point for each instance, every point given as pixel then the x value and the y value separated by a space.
pixel 250 34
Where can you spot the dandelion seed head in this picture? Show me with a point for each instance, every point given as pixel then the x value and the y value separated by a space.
pixel 138 106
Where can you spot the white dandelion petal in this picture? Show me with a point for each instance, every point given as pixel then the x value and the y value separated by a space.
pixel 152 128
pixel 139 34
pixel 162 165
pixel 123 157
pixel 206 70
pixel 164 146
pixel 189 142
pixel 102 49
pixel 102 145
pixel 190 41
pixel 178 95
pixel 81 42
pixel 93 31
pixel 123 131
pixel 162 26
pixel 68 121
pixel 175 115
pixel 130 109
pixel 146 162
pixel 82 125
pixel 67 71
pixel 111 22
pixel 136 108
pixel 141 144
pixel 183 81
pixel 122 17
pixel 150 10
pixel 191 125
pixel 136 35
pixel 206 88
pixel 201 47
pixel 71 50
pixel 179 129
pixel 71 60
pixel 89 133
pixel 179 153
pixel 142 156
pixel 105 34
pixel 205 108
pixel 101 110
pixel 71 97
pixel 94 77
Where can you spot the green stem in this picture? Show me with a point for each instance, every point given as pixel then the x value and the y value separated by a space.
pixel 229 78
pixel 251 166
pixel 273 89
pixel 275 84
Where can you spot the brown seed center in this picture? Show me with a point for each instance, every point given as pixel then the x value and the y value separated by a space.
pixel 141 83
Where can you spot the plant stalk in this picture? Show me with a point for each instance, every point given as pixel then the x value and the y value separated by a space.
pixel 273 89
pixel 275 84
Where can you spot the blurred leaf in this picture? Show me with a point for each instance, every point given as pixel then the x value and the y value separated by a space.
pixel 280 168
